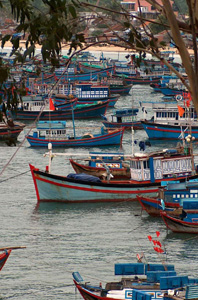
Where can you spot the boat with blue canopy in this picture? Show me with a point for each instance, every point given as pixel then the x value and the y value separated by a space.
pixel 138 280
pixel 54 132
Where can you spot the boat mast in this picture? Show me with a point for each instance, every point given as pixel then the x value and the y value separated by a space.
pixel 50 157
pixel 132 130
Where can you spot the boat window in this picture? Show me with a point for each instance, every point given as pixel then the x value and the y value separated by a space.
pixel 192 196
pixel 178 195
pixel 146 164
pixel 174 196
pixel 182 196
pixel 187 196
pixel 138 165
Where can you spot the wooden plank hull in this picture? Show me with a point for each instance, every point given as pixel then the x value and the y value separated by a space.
pixel 10 132
pixel 110 138
pixel 158 131
pixel 118 173
pixel 53 188
pixel 178 225
pixel 3 258
pixel 142 80
pixel 88 111
pixel 153 206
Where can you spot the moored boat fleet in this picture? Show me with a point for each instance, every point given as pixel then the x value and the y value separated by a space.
pixel 164 182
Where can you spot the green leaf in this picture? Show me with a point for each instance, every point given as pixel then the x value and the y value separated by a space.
pixel 72 11
pixel 5 39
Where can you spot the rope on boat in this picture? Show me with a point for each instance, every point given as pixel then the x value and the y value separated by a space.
pixel 17 175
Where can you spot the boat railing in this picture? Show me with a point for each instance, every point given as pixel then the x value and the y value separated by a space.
pixel 136 174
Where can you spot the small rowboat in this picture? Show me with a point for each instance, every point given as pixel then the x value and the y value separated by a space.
pixel 187 222
pixel 123 118
pixel 99 164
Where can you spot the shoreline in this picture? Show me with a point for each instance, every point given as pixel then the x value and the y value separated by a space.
pixel 102 48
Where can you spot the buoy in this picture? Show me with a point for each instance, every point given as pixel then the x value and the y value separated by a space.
pixel 179 97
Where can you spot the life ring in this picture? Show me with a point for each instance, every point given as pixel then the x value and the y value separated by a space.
pixel 179 97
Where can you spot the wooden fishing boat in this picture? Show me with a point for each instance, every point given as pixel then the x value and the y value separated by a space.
pixel 54 132
pixel 169 123
pixel 142 79
pixel 82 76
pixel 187 222
pixel 9 130
pixel 100 164
pixel 37 106
pixel 170 198
pixel 3 257
pixel 123 118
pixel 148 171
pixel 5 253
pixel 117 85
pixel 150 281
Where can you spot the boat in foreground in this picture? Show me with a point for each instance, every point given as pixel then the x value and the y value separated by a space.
pixel 152 280
pixel 147 173
pixel 77 188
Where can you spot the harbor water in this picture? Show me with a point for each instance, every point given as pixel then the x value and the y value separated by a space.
pixel 88 238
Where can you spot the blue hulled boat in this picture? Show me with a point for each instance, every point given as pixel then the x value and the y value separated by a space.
pixel 171 121
pixel 37 106
pixel 123 118
pixel 148 171
pixel 54 132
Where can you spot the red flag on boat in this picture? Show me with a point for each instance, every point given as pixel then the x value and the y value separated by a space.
pixel 27 90
pixel 13 88
pixel 51 104
pixel 157 233
pixel 159 250
pixel 180 110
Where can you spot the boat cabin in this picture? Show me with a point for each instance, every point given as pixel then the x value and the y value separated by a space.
pixel 167 113
pixel 33 103
pixel 90 91
pixel 178 192
pixel 124 115
pixel 157 166
pixel 111 160
pixel 50 129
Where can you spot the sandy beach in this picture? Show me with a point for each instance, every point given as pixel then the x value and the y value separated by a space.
pixel 100 48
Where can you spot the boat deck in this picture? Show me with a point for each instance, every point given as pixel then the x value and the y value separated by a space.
pixel 139 284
